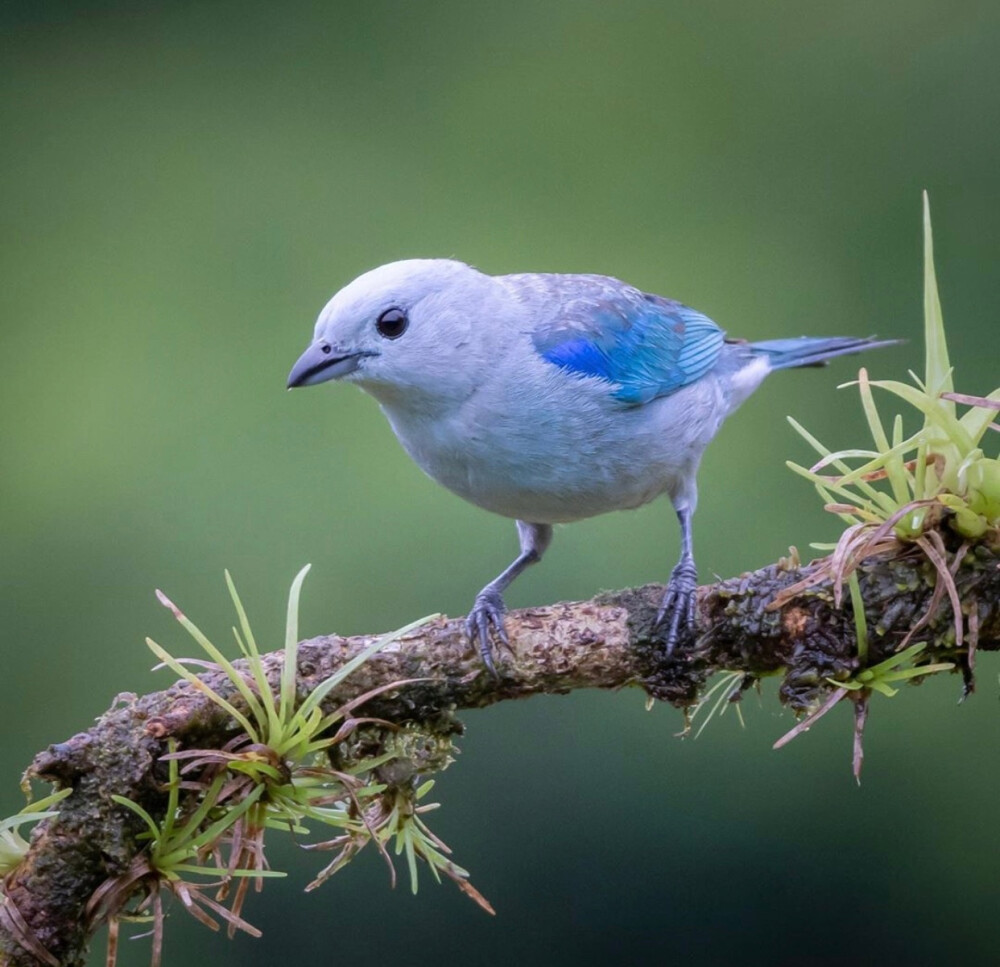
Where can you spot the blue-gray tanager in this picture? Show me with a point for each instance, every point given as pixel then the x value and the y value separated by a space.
pixel 546 398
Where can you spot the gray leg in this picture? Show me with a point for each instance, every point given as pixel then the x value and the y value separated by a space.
pixel 489 609
pixel 680 596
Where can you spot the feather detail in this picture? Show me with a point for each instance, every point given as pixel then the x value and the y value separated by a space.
pixel 645 345
pixel 813 351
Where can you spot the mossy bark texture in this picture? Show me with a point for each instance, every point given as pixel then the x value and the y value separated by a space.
pixel 607 642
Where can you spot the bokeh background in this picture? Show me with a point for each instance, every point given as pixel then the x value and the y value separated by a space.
pixel 185 184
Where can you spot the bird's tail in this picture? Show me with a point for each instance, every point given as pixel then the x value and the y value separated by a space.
pixel 808 351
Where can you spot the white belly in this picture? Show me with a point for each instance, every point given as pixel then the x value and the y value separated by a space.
pixel 554 461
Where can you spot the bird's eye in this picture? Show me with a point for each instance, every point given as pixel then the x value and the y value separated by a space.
pixel 392 323
pixel 326 349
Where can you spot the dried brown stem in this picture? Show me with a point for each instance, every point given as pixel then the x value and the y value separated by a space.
pixel 607 642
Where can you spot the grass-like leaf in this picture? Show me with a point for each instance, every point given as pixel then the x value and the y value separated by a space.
pixel 938 377
pixel 290 666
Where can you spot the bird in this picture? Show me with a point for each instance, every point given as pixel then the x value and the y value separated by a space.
pixel 547 398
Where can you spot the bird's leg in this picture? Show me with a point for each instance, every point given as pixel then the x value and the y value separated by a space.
pixel 679 599
pixel 489 609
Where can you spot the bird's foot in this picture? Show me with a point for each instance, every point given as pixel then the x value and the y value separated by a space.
pixel 485 618
pixel 679 603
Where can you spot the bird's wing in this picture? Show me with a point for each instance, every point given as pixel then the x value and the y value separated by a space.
pixel 644 345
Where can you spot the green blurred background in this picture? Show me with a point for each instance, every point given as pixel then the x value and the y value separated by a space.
pixel 183 187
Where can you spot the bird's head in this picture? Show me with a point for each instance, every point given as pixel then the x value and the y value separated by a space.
pixel 401 328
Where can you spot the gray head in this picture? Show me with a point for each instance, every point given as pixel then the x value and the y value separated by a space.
pixel 398 329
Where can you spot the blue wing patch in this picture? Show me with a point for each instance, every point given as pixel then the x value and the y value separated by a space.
pixel 646 345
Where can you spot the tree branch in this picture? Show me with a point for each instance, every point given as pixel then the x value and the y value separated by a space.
pixel 607 642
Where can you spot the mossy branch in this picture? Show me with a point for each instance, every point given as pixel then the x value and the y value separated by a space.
pixel 607 642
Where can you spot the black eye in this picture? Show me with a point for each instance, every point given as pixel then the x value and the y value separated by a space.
pixel 392 323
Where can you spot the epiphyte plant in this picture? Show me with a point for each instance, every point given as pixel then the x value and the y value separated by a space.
pixel 289 763
pixel 914 488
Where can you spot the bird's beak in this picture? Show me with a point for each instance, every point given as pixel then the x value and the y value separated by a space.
pixel 321 362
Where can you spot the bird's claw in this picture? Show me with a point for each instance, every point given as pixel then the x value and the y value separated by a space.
pixel 485 617
pixel 679 600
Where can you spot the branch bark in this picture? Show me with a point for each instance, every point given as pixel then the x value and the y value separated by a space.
pixel 607 642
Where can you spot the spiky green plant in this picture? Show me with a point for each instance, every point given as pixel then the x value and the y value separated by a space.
pixel 909 481
pixel 276 773
pixel 293 733
pixel 281 742
pixel 281 748
pixel 907 487
pixel 906 490
pixel 184 845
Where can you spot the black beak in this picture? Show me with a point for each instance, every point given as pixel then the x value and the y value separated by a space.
pixel 321 362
